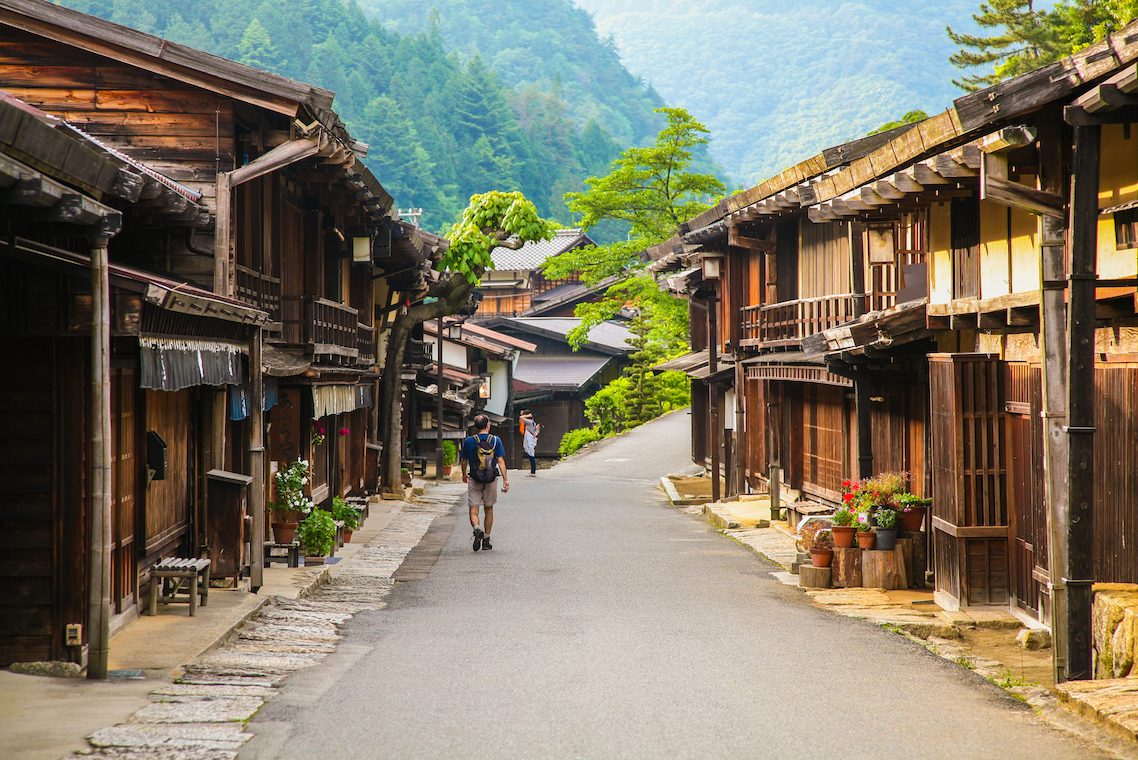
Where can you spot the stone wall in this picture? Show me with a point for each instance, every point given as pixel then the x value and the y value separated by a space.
pixel 1115 630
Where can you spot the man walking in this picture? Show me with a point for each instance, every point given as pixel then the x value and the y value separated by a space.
pixel 483 460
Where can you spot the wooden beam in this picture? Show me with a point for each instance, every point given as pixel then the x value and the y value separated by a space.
pixel 1020 196
pixel 1007 139
pixel 948 167
pixel 1077 116
pixel 1111 94
pixel 871 197
pixel 277 158
pixel 924 173
pixel 735 238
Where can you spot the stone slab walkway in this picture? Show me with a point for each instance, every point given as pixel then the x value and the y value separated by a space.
pixel 202 715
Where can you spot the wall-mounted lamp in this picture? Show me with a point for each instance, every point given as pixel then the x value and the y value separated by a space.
pixel 361 249
pixel 711 264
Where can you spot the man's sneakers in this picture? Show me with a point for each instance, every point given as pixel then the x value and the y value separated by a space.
pixel 486 543
pixel 479 539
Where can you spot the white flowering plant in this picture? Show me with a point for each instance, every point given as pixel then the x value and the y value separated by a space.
pixel 290 488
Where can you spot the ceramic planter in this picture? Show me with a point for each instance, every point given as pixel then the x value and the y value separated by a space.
pixel 912 520
pixel 821 557
pixel 447 470
pixel 843 536
pixel 886 537
pixel 347 535
pixel 865 539
pixel 285 532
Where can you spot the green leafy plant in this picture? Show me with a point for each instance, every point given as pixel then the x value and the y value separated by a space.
pixel 342 510
pixel 816 536
pixel 885 517
pixel 863 519
pixel 907 502
pixel 318 533
pixel 450 453
pixel 490 220
pixel 290 483
pixel 843 517
pixel 572 441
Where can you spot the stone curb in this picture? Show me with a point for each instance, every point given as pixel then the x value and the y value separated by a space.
pixel 674 496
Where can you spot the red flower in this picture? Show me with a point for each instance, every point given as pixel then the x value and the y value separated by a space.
pixel 848 497
pixel 845 484
pixel 345 432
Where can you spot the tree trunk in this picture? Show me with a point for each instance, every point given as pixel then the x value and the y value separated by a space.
pixel 453 295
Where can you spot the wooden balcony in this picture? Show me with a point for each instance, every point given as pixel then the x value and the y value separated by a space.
pixel 323 327
pixel 788 322
pixel 261 291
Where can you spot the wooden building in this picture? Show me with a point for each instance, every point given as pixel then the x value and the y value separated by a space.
pixel 515 286
pixel 956 299
pixel 257 263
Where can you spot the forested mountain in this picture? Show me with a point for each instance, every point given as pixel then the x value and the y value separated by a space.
pixel 440 126
pixel 776 81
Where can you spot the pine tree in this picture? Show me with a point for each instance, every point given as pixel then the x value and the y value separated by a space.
pixel 257 49
pixel 1022 40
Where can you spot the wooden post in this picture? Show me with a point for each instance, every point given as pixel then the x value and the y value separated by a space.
pixel 774 485
pixel 1080 405
pixel 864 426
pixel 714 431
pixel 221 229
pixel 439 406
pixel 256 461
pixel 742 450
pixel 1053 353
pixel 857 268
pixel 99 582
pixel 847 568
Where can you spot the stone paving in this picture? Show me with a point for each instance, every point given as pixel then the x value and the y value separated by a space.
pixel 202 715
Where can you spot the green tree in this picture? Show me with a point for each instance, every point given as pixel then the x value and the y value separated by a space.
pixel 493 219
pixel 257 49
pixel 911 117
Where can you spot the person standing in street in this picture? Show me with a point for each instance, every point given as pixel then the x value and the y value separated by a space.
pixel 483 461
pixel 530 431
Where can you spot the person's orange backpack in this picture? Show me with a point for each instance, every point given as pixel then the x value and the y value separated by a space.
pixel 521 427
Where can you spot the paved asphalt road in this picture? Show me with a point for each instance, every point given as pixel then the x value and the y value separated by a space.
pixel 606 624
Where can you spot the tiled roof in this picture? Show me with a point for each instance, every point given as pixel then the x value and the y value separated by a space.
pixel 532 255
pixel 558 372
pixel 609 337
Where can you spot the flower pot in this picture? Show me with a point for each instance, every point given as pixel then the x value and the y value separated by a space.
pixel 843 536
pixel 886 537
pixel 285 532
pixel 447 470
pixel 821 557
pixel 405 479
pixel 347 535
pixel 912 520
pixel 865 539
pixel 312 561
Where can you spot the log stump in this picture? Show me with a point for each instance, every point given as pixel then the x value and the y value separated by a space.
pixel 847 568
pixel 814 577
pixel 904 550
pixel 883 568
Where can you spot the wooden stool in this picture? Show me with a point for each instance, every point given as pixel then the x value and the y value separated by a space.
pixel 173 573
pixel 291 556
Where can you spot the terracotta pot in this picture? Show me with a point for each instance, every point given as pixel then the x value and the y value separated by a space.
pixel 843 536
pixel 447 470
pixel 405 479
pixel 821 557
pixel 912 520
pixel 311 561
pixel 285 532
pixel 347 535
pixel 886 537
pixel 865 539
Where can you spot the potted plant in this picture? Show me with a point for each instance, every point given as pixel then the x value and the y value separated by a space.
pixel 843 519
pixel 405 477
pixel 912 511
pixel 346 513
pixel 819 541
pixel 318 536
pixel 450 456
pixel 317 433
pixel 865 537
pixel 885 519
pixel 291 505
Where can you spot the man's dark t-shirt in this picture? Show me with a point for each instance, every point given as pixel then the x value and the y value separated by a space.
pixel 470 449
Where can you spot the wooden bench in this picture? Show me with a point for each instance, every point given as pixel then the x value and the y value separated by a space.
pixel 339 536
pixel 291 556
pixel 800 509
pixel 169 578
pixel 416 463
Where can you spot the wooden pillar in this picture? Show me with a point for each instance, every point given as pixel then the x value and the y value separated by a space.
pixel 742 449
pixel 1053 352
pixel 221 235
pixel 99 581
pixel 714 429
pixel 1080 405
pixel 864 426
pixel 257 461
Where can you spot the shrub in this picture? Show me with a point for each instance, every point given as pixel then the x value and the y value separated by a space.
pixel 318 533
pixel 572 441
pixel 450 453
pixel 290 488
pixel 342 510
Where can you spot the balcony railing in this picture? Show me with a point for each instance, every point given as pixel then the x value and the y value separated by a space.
pixel 260 290
pixel 323 327
pixel 788 322
pixel 417 355
pixel 365 341
pixel 752 316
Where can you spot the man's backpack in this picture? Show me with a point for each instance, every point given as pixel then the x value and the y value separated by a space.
pixel 485 454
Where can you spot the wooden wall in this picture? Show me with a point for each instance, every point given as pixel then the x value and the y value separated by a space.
pixel 169 502
pixel 1116 473
pixel 826 440
pixel 823 259
pixel 897 424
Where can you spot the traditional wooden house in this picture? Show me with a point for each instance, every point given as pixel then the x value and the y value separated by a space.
pixel 997 238
pixel 250 193
pixel 555 381
pixel 516 285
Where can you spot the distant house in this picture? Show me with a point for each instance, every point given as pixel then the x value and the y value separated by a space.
pixel 555 381
pixel 516 286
